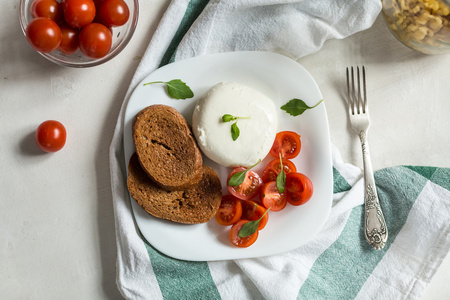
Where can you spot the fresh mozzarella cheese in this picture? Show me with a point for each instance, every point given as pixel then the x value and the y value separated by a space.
pixel 257 127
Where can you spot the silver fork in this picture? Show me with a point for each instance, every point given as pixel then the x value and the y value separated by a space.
pixel 375 228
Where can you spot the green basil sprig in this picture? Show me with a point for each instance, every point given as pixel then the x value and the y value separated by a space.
pixel 239 177
pixel 176 89
pixel 235 132
pixel 250 227
pixel 296 107
pixel 281 178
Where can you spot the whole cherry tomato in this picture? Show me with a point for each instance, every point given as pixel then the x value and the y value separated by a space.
pixel 95 40
pixel 51 136
pixel 299 188
pixel 78 13
pixel 43 34
pixel 287 143
pixel 271 198
pixel 249 188
pixel 273 168
pixel 48 9
pixel 69 40
pixel 112 13
pixel 230 210
pixel 253 211
pixel 241 241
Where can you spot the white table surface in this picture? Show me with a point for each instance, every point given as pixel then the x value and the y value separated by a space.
pixel 56 217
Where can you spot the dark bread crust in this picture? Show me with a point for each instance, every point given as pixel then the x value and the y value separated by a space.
pixel 166 147
pixel 192 206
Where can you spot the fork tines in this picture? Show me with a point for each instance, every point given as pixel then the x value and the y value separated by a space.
pixel 357 103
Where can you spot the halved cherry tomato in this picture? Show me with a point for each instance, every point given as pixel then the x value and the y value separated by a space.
pixel 271 198
pixel 253 211
pixel 244 241
pixel 112 13
pixel 48 9
pixel 249 188
pixel 43 34
pixel 273 168
pixel 230 210
pixel 299 188
pixel 78 13
pixel 287 143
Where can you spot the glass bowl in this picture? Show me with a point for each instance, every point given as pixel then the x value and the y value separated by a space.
pixel 423 25
pixel 120 38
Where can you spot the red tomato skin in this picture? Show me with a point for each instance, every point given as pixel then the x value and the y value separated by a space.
pixel 230 210
pixel 43 34
pixel 249 189
pixel 78 13
pixel 273 168
pixel 69 40
pixel 238 241
pixel 51 136
pixel 271 198
pixel 95 40
pixel 113 13
pixel 48 9
pixel 252 211
pixel 287 143
pixel 299 188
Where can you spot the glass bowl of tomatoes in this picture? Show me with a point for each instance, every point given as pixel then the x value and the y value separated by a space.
pixel 78 33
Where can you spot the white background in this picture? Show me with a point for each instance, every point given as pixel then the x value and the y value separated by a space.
pixel 56 219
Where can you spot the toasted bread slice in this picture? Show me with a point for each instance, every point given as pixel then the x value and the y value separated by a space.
pixel 197 204
pixel 166 147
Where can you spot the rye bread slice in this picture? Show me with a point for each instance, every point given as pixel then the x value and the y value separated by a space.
pixel 197 204
pixel 166 147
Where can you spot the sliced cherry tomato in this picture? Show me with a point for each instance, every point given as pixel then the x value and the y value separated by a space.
pixel 271 198
pixel 230 210
pixel 287 143
pixel 48 9
pixel 299 188
pixel 252 211
pixel 244 241
pixel 112 13
pixel 249 188
pixel 51 136
pixel 69 41
pixel 78 13
pixel 43 34
pixel 95 40
pixel 273 168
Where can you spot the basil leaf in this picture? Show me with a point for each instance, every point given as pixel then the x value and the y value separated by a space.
pixel 250 227
pixel 176 89
pixel 296 107
pixel 239 177
pixel 281 178
pixel 228 118
pixel 235 131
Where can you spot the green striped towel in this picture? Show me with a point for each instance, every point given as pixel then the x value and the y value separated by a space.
pixel 338 263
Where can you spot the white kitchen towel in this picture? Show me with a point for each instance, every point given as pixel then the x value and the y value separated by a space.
pixel 338 263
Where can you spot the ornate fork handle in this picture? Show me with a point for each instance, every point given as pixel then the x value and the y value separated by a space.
pixel 375 228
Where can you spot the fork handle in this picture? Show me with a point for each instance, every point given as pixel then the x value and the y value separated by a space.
pixel 375 228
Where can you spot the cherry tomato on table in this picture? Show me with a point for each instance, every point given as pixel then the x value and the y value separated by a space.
pixel 299 188
pixel 95 40
pixel 287 143
pixel 51 136
pixel 48 9
pixel 271 198
pixel 273 168
pixel 43 34
pixel 78 13
pixel 253 211
pixel 230 210
pixel 241 241
pixel 249 188
pixel 112 13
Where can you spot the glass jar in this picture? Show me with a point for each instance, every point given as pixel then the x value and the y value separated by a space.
pixel 423 25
